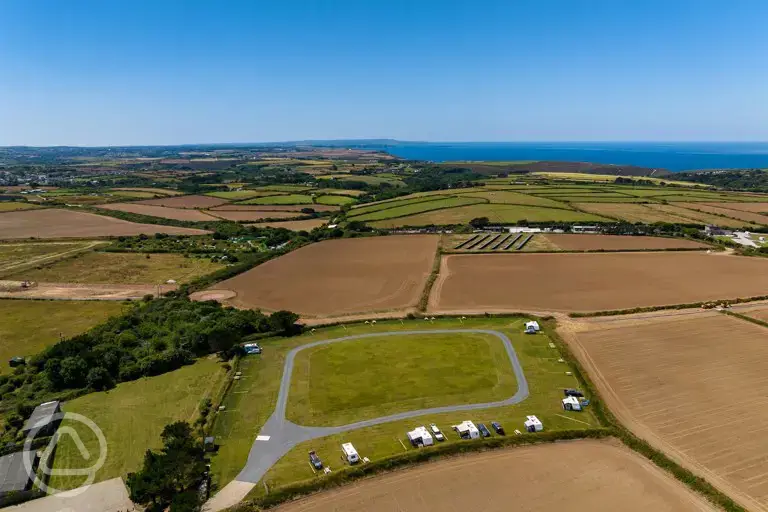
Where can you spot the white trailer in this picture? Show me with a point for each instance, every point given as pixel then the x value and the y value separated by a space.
pixel 533 424
pixel 467 430
pixel 420 436
pixel 571 403
pixel 350 453
pixel 532 327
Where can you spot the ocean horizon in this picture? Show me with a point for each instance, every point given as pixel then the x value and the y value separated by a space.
pixel 671 156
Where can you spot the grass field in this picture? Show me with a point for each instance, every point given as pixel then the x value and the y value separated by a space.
pixel 334 199
pixel 633 213
pixel 132 416
pixel 397 374
pixel 29 326
pixel 423 206
pixel 371 180
pixel 251 400
pixel 496 213
pixel 121 268
pixel 361 209
pixel 509 197
pixel 12 206
pixel 235 195
pixel 701 217
pixel 281 199
pixel 14 256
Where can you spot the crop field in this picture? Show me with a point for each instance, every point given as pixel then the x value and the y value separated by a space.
pixel 699 217
pixel 12 206
pixel 339 276
pixel 574 242
pixel 236 195
pixel 391 376
pixel 282 199
pixel 56 223
pixel 120 268
pixel 633 213
pixel 272 208
pixel 422 206
pixel 185 202
pixel 361 209
pixel 496 213
pixel 578 475
pixel 254 396
pixel 293 225
pixel 162 212
pixel 746 207
pixel 16 256
pixel 655 373
pixel 371 180
pixel 592 282
pixel 29 326
pixel 132 416
pixel 727 210
pixel 343 192
pixel 509 197
pixel 157 191
pixel 334 199
pixel 254 215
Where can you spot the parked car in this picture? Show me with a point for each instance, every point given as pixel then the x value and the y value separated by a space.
pixel 573 392
pixel 437 433
pixel 498 428
pixel 315 460
pixel 252 348
pixel 483 430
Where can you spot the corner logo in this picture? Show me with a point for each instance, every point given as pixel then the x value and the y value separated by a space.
pixel 89 472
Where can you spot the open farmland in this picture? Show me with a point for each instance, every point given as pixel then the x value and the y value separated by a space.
pixel 272 208
pixel 236 195
pixel 592 282
pixel 656 370
pixel 157 191
pixel 496 213
pixel 727 210
pixel 746 207
pixel 132 416
pixel 390 376
pixel 700 217
pixel 578 475
pixel 56 223
pixel 509 197
pixel 334 199
pixel 120 268
pixel 339 276
pixel 632 213
pixel 185 202
pixel 9 206
pixel 29 326
pixel 16 256
pixel 282 199
pixel 159 211
pixel 418 207
pixel 253 215
pixel 573 242
pixel 293 225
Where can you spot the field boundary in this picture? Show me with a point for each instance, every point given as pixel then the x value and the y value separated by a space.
pixel 436 265
pixel 650 309
pixel 746 318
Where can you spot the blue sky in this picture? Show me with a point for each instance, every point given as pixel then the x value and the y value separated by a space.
pixel 166 72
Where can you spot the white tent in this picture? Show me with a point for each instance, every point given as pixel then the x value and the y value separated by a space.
pixel 533 424
pixel 532 327
pixel 420 436
pixel 467 430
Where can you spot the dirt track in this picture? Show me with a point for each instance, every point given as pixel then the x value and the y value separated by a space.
pixel 690 382
pixel 335 277
pixel 592 282
pixel 576 476
pixel 65 291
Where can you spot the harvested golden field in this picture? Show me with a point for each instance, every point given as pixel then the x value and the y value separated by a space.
pixel 729 211
pixel 592 282
pixel 159 211
pixel 293 225
pixel 13 206
pixel 56 223
pixel 253 216
pixel 339 276
pixel 631 212
pixel 693 384
pixel 573 242
pixel 275 208
pixel 159 191
pixel 185 202
pixel 745 207
pixel 581 475
pixel 700 217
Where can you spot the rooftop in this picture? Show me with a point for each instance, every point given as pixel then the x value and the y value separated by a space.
pixel 13 472
pixel 42 415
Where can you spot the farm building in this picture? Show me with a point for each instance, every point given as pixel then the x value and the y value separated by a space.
pixel 533 424
pixel 14 475
pixel 44 419
pixel 532 327
pixel 467 430
pixel 571 403
pixel 420 436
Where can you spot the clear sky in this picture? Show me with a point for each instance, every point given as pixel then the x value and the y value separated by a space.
pixel 164 72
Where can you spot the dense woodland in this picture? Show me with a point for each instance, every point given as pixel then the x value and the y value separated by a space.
pixel 754 180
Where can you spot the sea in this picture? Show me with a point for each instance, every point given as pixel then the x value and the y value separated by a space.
pixel 672 156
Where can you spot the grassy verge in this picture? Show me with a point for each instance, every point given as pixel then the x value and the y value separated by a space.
pixel 747 318
pixel 424 299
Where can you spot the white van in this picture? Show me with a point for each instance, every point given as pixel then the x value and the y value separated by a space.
pixel 350 453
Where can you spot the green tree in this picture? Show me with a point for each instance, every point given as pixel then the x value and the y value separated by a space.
pixel 284 322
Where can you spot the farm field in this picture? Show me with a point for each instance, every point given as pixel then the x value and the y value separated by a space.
pixel 15 256
pixel 253 215
pixel 253 398
pixel 193 201
pixel 757 311
pixel 573 242
pixel 510 197
pixel 592 282
pixel 293 225
pixel 339 276
pixel 29 326
pixel 418 207
pixel 335 199
pixel 361 209
pixel 632 213
pixel 159 211
pixel 746 207
pixel 12 206
pixel 701 218
pixel 57 223
pixel 391 376
pixel 158 191
pixel 577 475
pixel 369 179
pixel 727 210
pixel 496 213
pixel 132 416
pixel 120 268
pixel 272 208
pixel 281 199
pixel 236 195
pixel 653 370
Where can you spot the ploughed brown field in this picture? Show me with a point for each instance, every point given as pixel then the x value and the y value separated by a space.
pixel 745 207
pixel 159 211
pixel 573 242
pixel 731 210
pixel 577 476
pixel 254 215
pixel 276 208
pixel 692 383
pixel 592 282
pixel 185 202
pixel 55 223
pixel 293 225
pixel 337 277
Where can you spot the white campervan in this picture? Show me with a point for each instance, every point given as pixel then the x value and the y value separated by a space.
pixel 350 453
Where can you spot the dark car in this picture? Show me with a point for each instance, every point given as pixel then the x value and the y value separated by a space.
pixel 315 460
pixel 498 428
pixel 483 430
pixel 573 392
